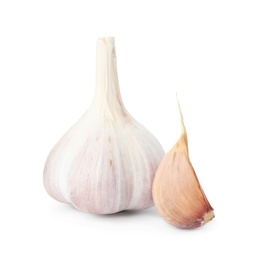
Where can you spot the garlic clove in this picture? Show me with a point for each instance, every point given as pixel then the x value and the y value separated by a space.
pixel 107 161
pixel 177 193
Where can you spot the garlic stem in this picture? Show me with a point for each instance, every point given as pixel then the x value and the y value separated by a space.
pixel 107 93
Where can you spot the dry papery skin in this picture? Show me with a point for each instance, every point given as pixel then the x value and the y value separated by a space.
pixel 177 193
pixel 107 161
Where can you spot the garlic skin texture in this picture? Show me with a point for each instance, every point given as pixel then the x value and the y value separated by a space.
pixel 177 193
pixel 107 161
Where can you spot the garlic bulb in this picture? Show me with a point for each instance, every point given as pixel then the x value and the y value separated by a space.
pixel 107 161
pixel 177 193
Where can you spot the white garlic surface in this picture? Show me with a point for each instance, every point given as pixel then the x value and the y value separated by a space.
pixel 107 161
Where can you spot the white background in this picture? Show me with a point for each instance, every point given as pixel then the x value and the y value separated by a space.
pixel 204 50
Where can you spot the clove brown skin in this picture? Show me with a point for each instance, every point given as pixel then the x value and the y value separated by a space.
pixel 177 193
